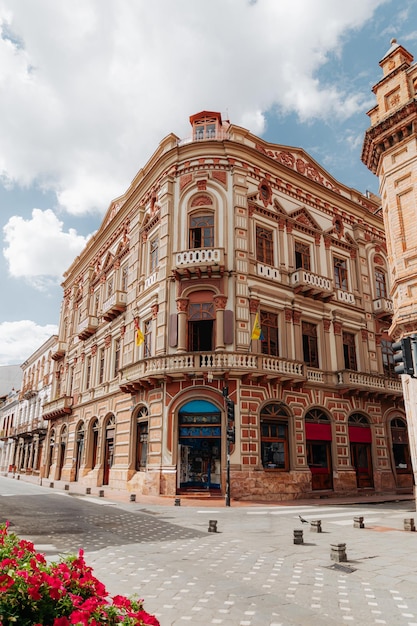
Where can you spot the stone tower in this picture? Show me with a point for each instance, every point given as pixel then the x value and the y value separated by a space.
pixel 390 152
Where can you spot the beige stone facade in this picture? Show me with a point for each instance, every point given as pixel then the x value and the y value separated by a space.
pixel 390 151
pixel 22 425
pixel 232 270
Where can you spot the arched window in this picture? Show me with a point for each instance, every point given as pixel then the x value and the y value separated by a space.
pixel 380 284
pixel 142 425
pixel 274 437
pixel 201 230
pixel 400 446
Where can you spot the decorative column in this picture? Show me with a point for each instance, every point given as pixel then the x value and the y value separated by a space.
pixel 340 359
pixel 182 308
pixel 298 338
pixel 220 302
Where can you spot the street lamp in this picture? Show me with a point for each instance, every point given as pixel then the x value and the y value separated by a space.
pixel 230 437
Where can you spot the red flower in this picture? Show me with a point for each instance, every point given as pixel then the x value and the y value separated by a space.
pixel 6 582
pixel 61 621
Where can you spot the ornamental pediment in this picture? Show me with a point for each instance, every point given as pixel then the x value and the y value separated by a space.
pixel 301 162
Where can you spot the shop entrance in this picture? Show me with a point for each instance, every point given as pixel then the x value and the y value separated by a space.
pixel 199 464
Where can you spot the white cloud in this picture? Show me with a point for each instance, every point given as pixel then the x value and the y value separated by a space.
pixel 38 249
pixel 88 89
pixel 18 340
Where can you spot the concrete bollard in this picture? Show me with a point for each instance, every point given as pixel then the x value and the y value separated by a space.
pixel 338 552
pixel 101 493
pixel 88 490
pixel 358 522
pixel 409 524
pixel 212 526
pixel 177 502
pixel 132 497
pixel 298 537
pixel 315 526
pixel 66 487
pixel 51 485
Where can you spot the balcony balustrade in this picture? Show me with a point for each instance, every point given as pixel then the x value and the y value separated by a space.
pixel 59 351
pixel 383 308
pixel 345 296
pixel 215 135
pixel 215 365
pixel 361 383
pixel 57 408
pixel 312 285
pixel 114 305
pixel 266 271
pixel 198 261
pixel 87 327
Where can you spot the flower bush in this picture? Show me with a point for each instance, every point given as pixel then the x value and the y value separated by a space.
pixel 35 593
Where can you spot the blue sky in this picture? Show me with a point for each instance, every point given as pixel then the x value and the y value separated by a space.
pixel 89 88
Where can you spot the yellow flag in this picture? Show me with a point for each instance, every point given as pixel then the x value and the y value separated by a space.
pixel 139 338
pixel 256 330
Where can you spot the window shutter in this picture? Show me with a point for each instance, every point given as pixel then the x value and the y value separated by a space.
pixel 173 330
pixel 228 327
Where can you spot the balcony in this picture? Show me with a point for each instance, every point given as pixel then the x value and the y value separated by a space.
pixel 87 327
pixel 312 285
pixel 27 392
pixel 345 296
pixel 198 261
pixel 266 271
pixel 383 308
pixel 57 408
pixel 59 351
pixel 114 305
pixel 150 372
pixel 216 135
pixel 363 384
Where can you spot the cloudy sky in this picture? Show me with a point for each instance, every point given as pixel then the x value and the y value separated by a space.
pixel 88 88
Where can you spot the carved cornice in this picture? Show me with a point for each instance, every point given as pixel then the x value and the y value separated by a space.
pixel 387 133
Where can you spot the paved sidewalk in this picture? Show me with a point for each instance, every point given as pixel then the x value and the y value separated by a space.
pixel 250 572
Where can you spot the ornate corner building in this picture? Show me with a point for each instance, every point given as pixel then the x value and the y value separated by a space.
pixel 219 236
pixel 390 152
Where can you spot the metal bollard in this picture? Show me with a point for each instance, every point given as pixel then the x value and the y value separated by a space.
pixel 409 524
pixel 315 526
pixel 338 552
pixel 358 522
pixel 298 537
pixel 212 526
pixel 177 502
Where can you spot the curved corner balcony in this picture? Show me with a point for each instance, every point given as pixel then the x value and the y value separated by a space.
pixel 312 285
pixel 198 261
pixel 363 384
pixel 192 365
pixel 383 308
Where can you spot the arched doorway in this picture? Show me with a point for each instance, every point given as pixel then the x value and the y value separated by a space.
pixel 79 439
pixel 62 451
pixel 319 449
pixel 199 447
pixel 109 449
pixel 401 453
pixel 360 437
